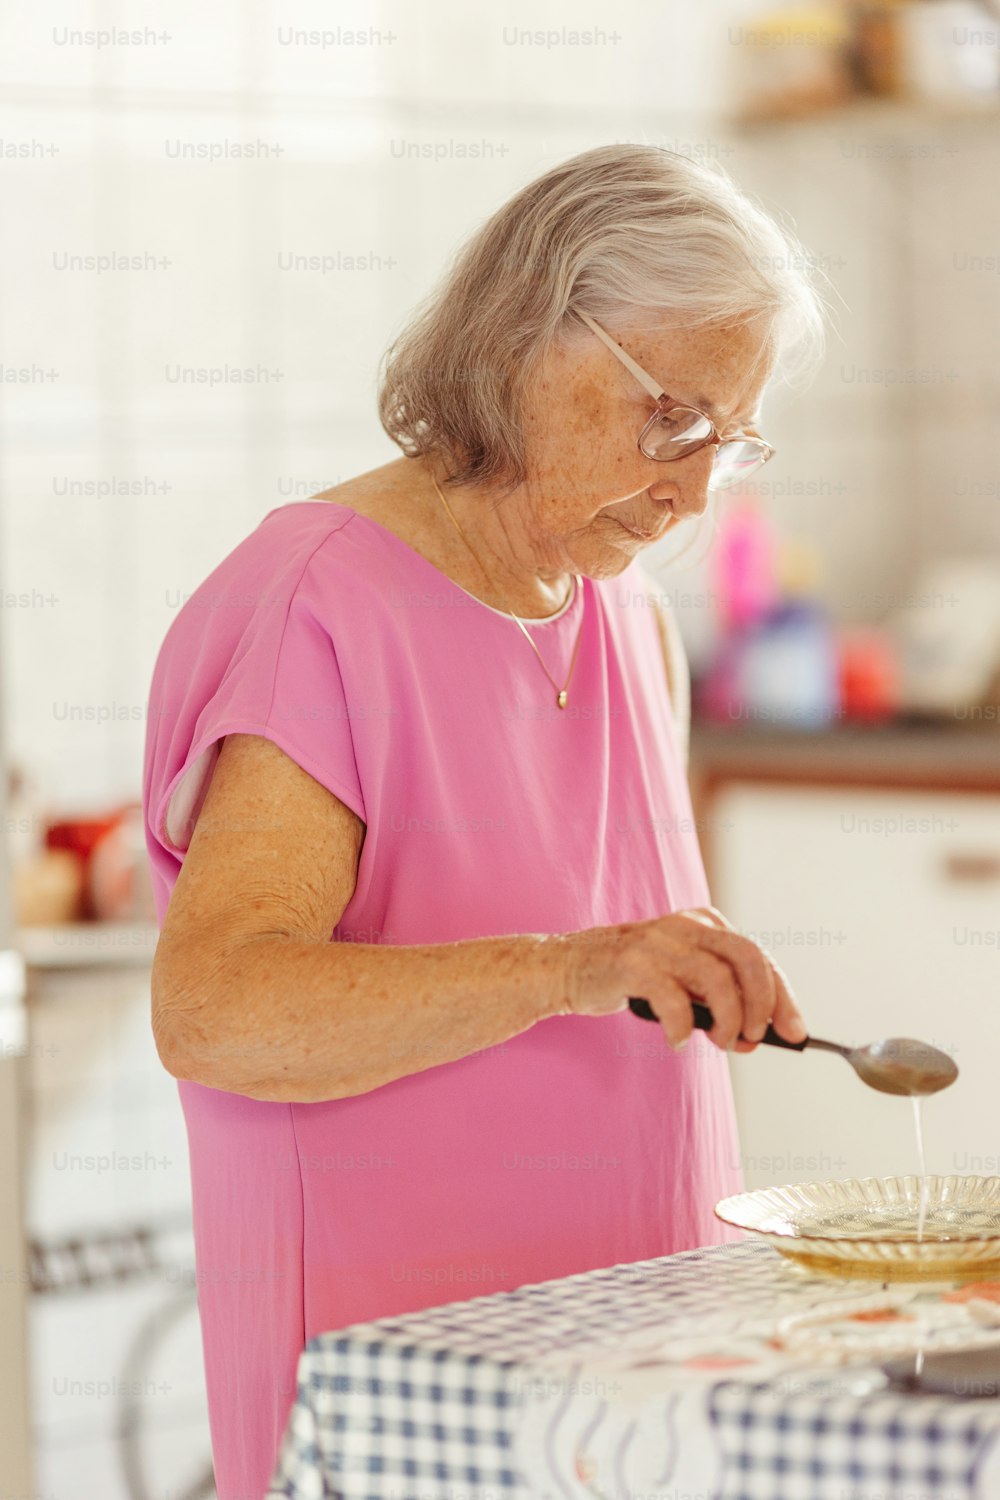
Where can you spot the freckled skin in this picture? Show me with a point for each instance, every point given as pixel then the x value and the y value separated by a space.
pixel 583 415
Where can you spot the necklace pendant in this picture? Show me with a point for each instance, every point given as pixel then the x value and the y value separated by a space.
pixel 563 698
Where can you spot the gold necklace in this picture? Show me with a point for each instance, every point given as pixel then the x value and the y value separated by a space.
pixel 562 693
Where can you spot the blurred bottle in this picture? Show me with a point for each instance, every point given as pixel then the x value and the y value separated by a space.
pixel 745 567
pixel 745 586
pixel 870 673
pixel 789 673
pixel 877 50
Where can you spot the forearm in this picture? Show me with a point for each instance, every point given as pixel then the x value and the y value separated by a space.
pixel 290 1020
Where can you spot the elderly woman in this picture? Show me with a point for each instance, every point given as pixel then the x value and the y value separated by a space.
pixel 417 809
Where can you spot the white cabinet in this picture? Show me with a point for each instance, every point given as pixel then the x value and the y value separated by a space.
pixel 883 908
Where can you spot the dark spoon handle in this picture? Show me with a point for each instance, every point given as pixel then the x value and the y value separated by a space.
pixel 704 1021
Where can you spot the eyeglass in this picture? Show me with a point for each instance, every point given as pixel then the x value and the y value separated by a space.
pixel 676 430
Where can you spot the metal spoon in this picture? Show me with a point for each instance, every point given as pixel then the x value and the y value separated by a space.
pixel 898 1065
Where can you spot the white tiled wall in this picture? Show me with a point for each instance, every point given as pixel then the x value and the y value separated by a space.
pixel 890 476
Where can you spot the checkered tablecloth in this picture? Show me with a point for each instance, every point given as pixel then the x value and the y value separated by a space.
pixel 721 1374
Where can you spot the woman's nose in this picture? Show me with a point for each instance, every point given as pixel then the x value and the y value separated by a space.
pixel 687 488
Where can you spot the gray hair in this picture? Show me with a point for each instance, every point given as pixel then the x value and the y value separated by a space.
pixel 625 233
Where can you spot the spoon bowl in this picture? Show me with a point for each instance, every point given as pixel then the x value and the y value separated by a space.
pixel 900 1065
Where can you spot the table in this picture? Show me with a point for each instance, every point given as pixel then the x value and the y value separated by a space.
pixel 726 1373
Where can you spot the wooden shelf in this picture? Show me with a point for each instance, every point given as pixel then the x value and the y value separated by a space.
pixel 886 116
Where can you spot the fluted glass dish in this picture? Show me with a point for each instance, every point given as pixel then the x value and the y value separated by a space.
pixel 868 1226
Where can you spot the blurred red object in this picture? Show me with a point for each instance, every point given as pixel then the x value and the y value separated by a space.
pixel 80 836
pixel 868 667
pixel 119 888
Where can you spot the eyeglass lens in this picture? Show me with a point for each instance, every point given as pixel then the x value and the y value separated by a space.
pixel 682 431
pixel 733 462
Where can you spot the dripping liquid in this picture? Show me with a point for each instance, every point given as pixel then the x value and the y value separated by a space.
pixel 922 1214
pixel 918 1125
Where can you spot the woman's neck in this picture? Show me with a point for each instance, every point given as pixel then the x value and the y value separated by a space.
pixel 495 538
pixel 489 562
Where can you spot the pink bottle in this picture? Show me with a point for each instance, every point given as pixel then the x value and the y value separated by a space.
pixel 743 576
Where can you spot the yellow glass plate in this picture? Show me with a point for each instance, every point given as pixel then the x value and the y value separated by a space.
pixel 868 1226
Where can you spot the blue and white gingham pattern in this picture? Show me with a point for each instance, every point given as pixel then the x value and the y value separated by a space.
pixel 884 1445
pixel 376 1419
pixel 485 1400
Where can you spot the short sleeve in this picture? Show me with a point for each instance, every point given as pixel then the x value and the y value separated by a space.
pixel 257 662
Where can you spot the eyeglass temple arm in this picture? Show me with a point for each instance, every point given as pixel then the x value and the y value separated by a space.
pixel 646 380
pixel 650 384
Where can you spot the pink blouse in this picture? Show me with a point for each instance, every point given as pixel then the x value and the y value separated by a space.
pixel 580 1143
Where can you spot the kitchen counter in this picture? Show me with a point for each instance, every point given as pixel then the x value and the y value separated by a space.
pixel 77 945
pixel 959 756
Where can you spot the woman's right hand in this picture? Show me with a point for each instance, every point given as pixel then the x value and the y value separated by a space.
pixel 676 959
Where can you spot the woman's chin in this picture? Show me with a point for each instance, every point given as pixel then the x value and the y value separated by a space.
pixel 611 561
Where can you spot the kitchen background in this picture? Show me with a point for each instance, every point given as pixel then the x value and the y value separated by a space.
pixel 217 218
